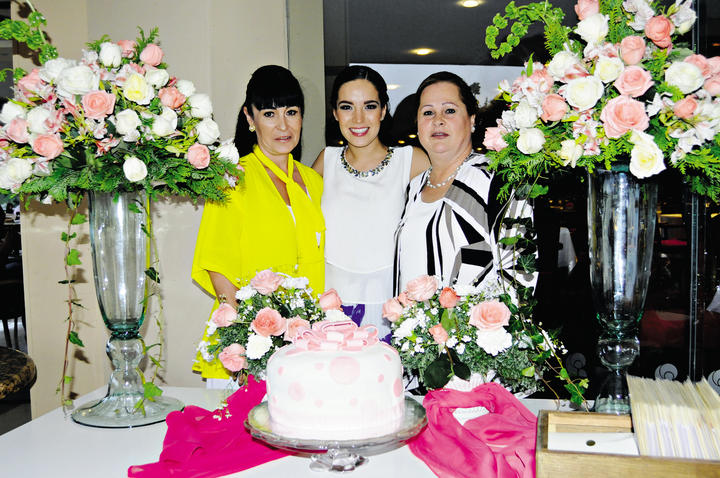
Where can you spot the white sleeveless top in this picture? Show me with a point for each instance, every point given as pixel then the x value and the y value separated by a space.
pixel 361 215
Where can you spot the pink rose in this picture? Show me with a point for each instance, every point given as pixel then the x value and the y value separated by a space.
pixel 198 155
pixel 295 325
pixel 48 145
pixel 554 108
pixel 151 55
pixel 439 333
pixel 127 47
pixel 268 322
pixel 448 298
pixel 233 357
pixel 17 130
pixel 330 300
pixel 621 114
pixel 98 104
pixel 587 8
pixel 171 97
pixel 632 49
pixel 633 81
pixel 490 315
pixel 702 63
pixel 658 29
pixel 392 309
pixel 712 85
pixel 686 107
pixel 405 300
pixel 494 139
pixel 31 83
pixel 224 315
pixel 266 282
pixel 542 79
pixel 422 288
pixel 714 63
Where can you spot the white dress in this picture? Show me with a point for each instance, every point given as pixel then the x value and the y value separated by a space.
pixel 361 215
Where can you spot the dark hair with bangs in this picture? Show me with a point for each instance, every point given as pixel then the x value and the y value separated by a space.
pixel 270 86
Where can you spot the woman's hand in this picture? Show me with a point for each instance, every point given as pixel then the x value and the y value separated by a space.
pixel 223 288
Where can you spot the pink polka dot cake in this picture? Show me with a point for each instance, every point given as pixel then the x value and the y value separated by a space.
pixel 336 381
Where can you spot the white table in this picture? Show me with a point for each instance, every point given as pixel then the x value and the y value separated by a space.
pixel 54 446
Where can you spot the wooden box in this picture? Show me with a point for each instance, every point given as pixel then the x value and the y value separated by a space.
pixel 553 463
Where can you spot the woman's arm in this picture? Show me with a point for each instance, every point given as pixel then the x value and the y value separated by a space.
pixel 223 288
pixel 420 162
pixel 319 163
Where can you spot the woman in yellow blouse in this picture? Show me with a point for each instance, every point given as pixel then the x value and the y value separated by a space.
pixel 273 219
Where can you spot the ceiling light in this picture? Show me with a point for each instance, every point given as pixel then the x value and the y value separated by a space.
pixel 401 142
pixel 422 51
pixel 393 86
pixel 470 3
pixel 716 44
pixel 412 136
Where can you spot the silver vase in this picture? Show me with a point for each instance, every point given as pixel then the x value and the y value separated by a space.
pixel 119 251
pixel 621 228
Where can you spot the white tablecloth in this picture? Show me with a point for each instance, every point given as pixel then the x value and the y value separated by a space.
pixel 54 446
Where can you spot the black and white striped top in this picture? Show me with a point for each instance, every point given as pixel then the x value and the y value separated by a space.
pixel 457 240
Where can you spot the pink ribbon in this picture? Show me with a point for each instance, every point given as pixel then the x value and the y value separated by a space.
pixel 341 335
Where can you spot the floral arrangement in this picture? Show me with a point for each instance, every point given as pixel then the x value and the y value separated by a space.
pixel 447 332
pixel 114 120
pixel 619 91
pixel 272 309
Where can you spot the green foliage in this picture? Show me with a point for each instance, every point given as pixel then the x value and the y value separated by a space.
pixel 75 339
pixel 73 258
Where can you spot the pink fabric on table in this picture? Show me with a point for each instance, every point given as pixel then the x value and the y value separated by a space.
pixel 199 445
pixel 498 444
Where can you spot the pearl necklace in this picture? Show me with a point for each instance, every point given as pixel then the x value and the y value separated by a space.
pixel 449 178
pixel 365 174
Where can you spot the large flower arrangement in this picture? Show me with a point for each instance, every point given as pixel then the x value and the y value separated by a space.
pixel 271 310
pixel 114 120
pixel 447 332
pixel 619 89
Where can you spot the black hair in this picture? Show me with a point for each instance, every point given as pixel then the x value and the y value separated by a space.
pixel 270 86
pixel 352 73
pixel 466 94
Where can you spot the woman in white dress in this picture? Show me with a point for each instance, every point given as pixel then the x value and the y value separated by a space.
pixel 364 186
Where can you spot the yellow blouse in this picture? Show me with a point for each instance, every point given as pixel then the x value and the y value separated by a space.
pixel 255 230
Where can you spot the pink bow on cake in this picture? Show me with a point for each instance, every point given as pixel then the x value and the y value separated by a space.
pixel 342 335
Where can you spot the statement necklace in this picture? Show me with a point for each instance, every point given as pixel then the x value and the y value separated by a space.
pixel 365 174
pixel 449 178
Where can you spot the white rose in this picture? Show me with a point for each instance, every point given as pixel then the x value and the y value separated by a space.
pixel 608 68
pixel 493 341
pixel 186 87
pixel 228 152
pixel 10 111
pixel 570 152
pixel 157 77
pixel 335 315
pixel 76 80
pixel 406 327
pixel 134 169
pixel 646 158
pixel 36 120
pixel 126 122
pixel 200 105
pixel 292 282
pixel 593 29
pixel 530 141
pixel 525 115
pixel 584 93
pixel 42 168
pixel 165 123
pixel 52 68
pixel 245 293
pixel 257 346
pixel 208 131
pixel 686 76
pixel 138 90
pixel 110 54
pixel 684 18
pixel 14 172
pixel 561 63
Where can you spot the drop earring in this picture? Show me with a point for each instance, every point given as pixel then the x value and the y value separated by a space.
pixel 251 128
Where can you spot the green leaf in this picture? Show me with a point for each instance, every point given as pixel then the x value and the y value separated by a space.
pixel 75 339
pixel 437 374
pixel 528 372
pixel 538 190
pixel 65 281
pixel 73 258
pixel 67 379
pixel 564 374
pixel 133 207
pixel 447 320
pixel 151 390
pixel 65 238
pixel 78 219
pixel 509 241
pixel 152 274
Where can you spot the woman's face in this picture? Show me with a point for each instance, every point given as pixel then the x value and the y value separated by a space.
pixel 444 126
pixel 359 113
pixel 277 129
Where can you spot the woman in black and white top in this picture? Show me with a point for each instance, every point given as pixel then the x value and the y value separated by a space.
pixel 451 220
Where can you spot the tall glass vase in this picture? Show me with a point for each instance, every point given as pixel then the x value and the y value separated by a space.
pixel 119 252
pixel 621 228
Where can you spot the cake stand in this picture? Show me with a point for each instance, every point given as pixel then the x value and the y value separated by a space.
pixel 337 455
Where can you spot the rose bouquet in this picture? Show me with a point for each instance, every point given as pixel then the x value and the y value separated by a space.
pixel 447 332
pixel 271 309
pixel 114 120
pixel 619 91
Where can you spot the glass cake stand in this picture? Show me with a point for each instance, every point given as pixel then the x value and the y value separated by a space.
pixel 337 455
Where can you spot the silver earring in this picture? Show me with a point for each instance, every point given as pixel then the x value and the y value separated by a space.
pixel 251 128
pixel 472 130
